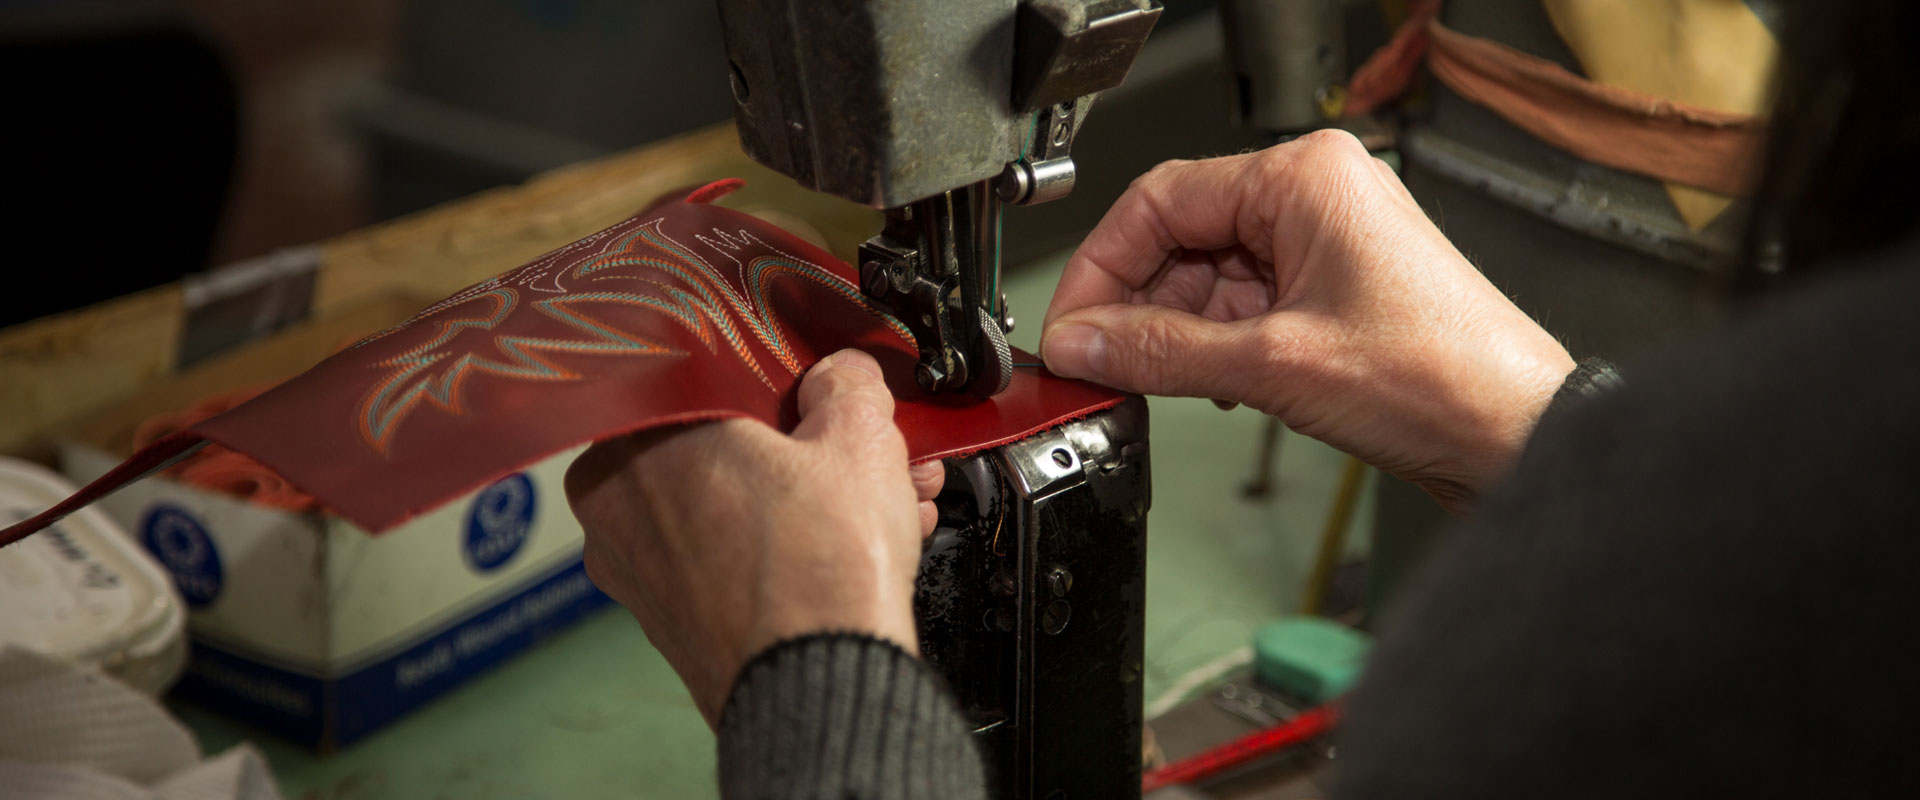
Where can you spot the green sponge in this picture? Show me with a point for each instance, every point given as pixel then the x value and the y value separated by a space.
pixel 1310 657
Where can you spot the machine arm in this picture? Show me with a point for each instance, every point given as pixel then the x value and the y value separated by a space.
pixel 937 112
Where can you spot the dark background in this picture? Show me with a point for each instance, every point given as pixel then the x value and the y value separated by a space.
pixel 149 140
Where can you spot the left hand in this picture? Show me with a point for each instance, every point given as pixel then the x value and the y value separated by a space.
pixel 725 538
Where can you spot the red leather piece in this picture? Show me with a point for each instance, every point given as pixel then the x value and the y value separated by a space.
pixel 685 312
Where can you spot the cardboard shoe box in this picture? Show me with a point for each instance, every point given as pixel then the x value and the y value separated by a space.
pixel 308 626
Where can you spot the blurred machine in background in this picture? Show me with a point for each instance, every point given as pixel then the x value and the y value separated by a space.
pixel 1600 257
pixel 492 92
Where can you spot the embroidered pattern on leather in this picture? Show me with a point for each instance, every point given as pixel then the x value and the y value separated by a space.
pixel 390 402
pixel 683 287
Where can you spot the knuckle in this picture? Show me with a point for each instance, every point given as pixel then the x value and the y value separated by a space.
pixel 1273 164
pixel 827 382
pixel 868 414
pixel 1333 143
pixel 842 381
pixel 1322 149
pixel 1169 165
pixel 1158 175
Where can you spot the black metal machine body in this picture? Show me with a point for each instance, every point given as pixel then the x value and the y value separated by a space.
pixel 1031 602
pixel 938 112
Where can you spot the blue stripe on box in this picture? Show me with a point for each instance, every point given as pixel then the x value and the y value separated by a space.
pixel 331 713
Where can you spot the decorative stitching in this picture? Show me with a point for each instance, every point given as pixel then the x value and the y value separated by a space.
pixel 697 297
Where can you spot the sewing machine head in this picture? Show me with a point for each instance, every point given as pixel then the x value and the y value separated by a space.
pixel 938 112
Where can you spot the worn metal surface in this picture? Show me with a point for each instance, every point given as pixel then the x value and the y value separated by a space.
pixel 1032 602
pixel 879 103
pixel 889 103
pixel 1066 49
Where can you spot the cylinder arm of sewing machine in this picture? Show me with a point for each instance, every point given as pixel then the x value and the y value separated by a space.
pixel 937 112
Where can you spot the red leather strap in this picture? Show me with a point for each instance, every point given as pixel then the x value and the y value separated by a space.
pixel 685 312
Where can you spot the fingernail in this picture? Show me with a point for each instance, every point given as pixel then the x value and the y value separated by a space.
pixel 855 359
pixel 925 471
pixel 1075 350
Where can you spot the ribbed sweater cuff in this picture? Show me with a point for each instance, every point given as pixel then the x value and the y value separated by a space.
pixel 843 715
pixel 1591 377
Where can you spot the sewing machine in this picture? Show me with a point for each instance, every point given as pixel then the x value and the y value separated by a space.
pixel 940 113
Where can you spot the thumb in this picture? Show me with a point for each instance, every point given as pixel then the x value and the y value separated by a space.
pixel 844 400
pixel 1153 349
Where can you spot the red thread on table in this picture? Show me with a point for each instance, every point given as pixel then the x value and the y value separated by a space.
pixel 1310 725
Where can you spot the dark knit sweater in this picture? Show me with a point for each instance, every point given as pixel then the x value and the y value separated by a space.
pixel 1701 584
pixel 839 715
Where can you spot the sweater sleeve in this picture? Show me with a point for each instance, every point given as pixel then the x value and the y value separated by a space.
pixel 1697 585
pixel 843 715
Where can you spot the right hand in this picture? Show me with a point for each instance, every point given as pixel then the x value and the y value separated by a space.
pixel 725 538
pixel 1304 281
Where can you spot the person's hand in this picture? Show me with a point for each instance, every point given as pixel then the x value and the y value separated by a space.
pixel 728 537
pixel 1304 281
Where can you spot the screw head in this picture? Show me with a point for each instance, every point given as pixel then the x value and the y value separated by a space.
pixel 1060 581
pixel 929 377
pixel 877 283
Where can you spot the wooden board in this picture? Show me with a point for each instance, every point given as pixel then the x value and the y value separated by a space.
pixel 439 252
pixel 261 363
pixel 57 371
pixel 53 370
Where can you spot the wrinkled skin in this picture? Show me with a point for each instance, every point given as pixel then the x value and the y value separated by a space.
pixel 1305 282
pixel 727 537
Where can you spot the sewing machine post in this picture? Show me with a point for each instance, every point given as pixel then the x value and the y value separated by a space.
pixel 941 112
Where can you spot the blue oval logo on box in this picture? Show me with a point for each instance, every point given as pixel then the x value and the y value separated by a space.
pixel 499 521
pixel 185 550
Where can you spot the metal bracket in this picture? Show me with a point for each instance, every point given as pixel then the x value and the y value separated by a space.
pixel 1047 172
pixel 935 265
